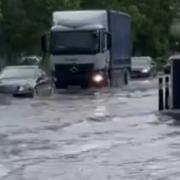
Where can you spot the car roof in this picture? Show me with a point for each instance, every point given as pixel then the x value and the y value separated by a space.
pixel 142 58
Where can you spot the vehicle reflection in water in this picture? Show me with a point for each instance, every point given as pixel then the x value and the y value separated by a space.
pixel 112 134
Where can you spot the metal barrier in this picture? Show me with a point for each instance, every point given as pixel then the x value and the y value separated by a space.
pixel 164 93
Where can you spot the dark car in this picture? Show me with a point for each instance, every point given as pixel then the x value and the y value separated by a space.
pixel 167 68
pixel 142 67
pixel 25 80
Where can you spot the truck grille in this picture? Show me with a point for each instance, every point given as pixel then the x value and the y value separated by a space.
pixel 73 74
pixel 74 68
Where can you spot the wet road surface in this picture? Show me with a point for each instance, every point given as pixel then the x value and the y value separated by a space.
pixel 108 135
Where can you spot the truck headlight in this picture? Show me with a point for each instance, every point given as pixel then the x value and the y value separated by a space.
pixel 145 70
pixel 97 78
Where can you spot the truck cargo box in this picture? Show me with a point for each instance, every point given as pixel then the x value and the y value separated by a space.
pixel 120 29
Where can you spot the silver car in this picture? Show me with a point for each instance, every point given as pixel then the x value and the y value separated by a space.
pixel 25 80
pixel 142 67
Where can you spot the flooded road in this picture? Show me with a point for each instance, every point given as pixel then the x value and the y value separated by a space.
pixel 108 135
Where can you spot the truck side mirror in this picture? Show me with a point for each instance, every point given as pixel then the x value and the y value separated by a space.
pixel 44 43
pixel 109 40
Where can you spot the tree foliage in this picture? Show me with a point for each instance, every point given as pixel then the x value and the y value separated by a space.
pixel 23 22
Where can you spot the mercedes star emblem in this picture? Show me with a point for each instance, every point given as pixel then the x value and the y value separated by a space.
pixel 74 69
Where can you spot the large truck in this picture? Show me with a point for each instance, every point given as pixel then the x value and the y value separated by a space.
pixel 89 48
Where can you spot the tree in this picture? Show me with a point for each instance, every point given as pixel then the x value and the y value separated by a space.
pixel 24 21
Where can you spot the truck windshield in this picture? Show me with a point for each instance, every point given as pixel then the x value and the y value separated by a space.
pixel 74 42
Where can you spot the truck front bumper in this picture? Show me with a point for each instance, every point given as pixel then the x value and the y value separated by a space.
pixel 78 75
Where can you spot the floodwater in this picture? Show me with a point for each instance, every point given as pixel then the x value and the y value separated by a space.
pixel 109 134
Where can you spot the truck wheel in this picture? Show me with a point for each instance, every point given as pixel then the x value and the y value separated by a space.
pixel 107 80
pixel 126 77
pixel 115 82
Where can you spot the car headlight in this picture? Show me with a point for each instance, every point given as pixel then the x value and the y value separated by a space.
pixel 97 78
pixel 24 87
pixel 21 88
pixel 145 70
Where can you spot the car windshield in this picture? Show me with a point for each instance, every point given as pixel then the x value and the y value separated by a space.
pixel 74 42
pixel 17 73
pixel 141 62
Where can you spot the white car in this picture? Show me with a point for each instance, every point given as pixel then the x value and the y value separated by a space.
pixel 142 67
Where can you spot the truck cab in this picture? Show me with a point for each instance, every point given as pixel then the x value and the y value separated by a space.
pixel 78 53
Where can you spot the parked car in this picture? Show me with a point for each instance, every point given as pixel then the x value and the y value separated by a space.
pixel 25 80
pixel 142 67
pixel 30 60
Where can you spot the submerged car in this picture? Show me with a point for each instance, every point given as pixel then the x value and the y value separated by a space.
pixel 25 80
pixel 142 67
